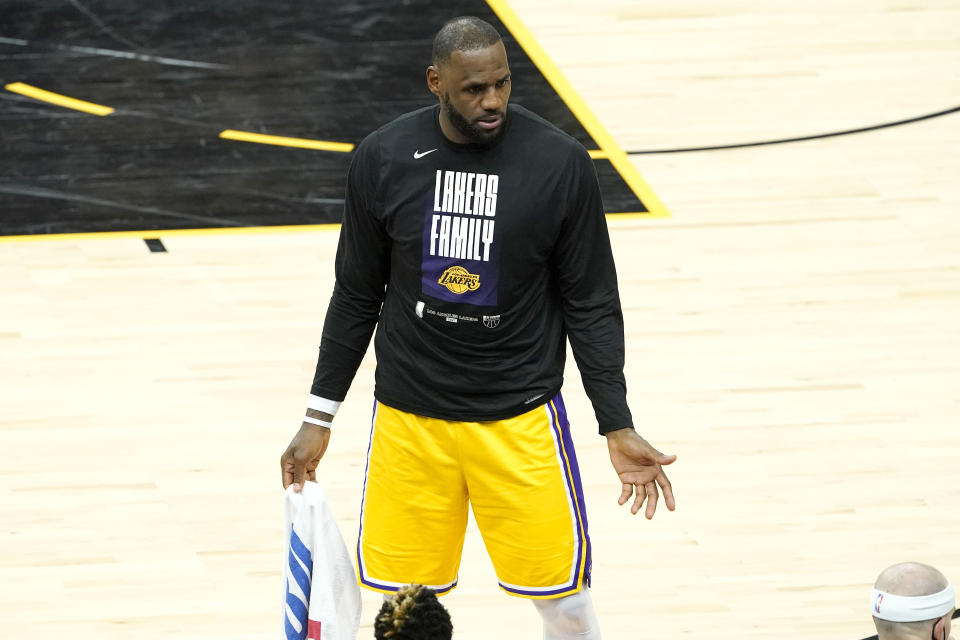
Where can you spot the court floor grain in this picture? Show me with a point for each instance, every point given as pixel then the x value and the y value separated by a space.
pixel 793 334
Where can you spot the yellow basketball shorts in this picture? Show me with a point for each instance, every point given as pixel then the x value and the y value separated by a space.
pixel 521 478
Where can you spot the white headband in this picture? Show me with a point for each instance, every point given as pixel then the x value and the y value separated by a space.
pixel 894 608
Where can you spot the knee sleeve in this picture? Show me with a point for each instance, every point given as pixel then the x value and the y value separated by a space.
pixel 569 618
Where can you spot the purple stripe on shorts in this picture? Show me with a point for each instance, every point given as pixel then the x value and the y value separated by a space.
pixel 523 592
pixel 443 592
pixel 363 498
pixel 564 425
pixel 389 587
pixel 561 427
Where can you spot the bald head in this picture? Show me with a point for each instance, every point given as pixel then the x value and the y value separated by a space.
pixel 912 579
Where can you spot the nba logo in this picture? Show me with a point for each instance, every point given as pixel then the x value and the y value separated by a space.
pixel 491 322
pixel 876 605
pixel 313 630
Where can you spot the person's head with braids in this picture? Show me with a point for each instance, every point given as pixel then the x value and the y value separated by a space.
pixel 414 613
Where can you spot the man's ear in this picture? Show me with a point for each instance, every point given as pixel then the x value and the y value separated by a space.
pixel 433 81
pixel 940 629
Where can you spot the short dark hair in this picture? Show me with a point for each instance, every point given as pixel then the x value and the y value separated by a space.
pixel 414 613
pixel 466 33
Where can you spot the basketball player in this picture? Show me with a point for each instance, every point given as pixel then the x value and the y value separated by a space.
pixel 474 239
pixel 912 601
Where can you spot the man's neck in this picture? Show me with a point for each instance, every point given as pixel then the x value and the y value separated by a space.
pixel 450 132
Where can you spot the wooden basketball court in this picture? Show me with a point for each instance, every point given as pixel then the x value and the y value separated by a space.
pixel 793 334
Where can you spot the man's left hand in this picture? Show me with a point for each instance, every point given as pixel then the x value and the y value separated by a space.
pixel 640 467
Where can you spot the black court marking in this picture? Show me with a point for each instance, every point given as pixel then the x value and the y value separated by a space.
pixel 846 132
pixel 335 72
pixel 155 245
pixel 956 614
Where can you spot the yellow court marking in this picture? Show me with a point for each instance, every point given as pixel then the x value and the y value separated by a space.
pixel 55 98
pixel 617 156
pixel 597 154
pixel 638 215
pixel 223 231
pixel 302 143
pixel 167 233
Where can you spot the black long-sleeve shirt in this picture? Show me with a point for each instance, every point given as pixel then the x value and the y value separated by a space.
pixel 474 263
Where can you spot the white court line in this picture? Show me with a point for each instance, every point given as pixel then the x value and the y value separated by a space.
pixel 144 57
pixel 130 55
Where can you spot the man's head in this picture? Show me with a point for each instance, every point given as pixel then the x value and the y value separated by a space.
pixel 471 78
pixel 912 580
pixel 414 613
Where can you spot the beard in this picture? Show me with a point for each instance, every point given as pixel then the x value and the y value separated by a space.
pixel 470 131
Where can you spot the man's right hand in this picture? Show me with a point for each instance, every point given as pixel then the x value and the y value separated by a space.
pixel 299 462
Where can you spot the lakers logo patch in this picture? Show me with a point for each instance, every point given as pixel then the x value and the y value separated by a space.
pixel 458 280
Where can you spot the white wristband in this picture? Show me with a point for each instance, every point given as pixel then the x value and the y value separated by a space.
pixel 324 405
pixel 319 423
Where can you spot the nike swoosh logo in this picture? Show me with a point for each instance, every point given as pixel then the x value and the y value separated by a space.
pixel 417 155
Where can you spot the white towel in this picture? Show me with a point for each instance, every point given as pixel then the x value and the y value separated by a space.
pixel 321 599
